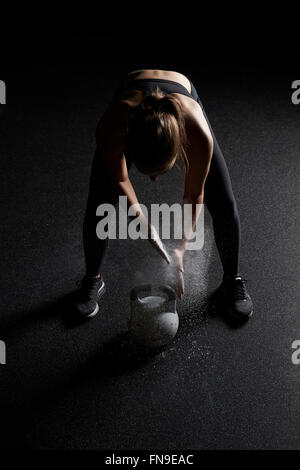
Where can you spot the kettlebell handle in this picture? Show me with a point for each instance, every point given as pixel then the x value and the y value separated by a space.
pixel 169 291
pixel 134 293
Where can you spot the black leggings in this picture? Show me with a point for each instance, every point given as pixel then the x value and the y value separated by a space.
pixel 218 198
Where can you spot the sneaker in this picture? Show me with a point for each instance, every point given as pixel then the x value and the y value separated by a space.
pixel 235 298
pixel 90 291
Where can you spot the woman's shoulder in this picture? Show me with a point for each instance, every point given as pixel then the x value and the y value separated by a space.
pixel 196 124
pixel 113 123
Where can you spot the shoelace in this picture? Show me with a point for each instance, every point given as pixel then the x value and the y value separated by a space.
pixel 88 287
pixel 239 289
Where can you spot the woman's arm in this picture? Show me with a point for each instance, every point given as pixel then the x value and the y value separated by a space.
pixel 110 138
pixel 111 144
pixel 111 150
pixel 199 155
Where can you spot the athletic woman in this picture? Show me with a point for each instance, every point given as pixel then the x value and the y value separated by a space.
pixel 156 120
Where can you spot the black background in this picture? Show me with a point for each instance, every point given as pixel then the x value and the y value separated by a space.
pixel 44 48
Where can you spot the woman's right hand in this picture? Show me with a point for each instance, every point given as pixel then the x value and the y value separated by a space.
pixel 156 242
pixel 177 265
pixel 176 261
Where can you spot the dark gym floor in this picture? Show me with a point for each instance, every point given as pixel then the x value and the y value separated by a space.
pixel 85 386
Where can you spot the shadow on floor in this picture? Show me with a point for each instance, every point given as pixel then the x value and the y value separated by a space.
pixel 118 356
pixel 121 355
pixel 45 312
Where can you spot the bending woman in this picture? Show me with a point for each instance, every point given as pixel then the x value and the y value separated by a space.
pixel 156 120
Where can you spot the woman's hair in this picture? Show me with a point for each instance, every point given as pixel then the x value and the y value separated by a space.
pixel 156 137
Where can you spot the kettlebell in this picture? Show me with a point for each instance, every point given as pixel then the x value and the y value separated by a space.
pixel 153 319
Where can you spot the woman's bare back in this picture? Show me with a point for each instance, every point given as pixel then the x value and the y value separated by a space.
pixel 164 74
pixel 114 121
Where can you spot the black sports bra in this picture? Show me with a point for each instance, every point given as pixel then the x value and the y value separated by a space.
pixel 151 84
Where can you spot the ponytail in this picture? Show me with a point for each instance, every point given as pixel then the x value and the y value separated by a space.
pixel 160 117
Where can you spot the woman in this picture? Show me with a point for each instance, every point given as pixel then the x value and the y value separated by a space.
pixel 156 120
